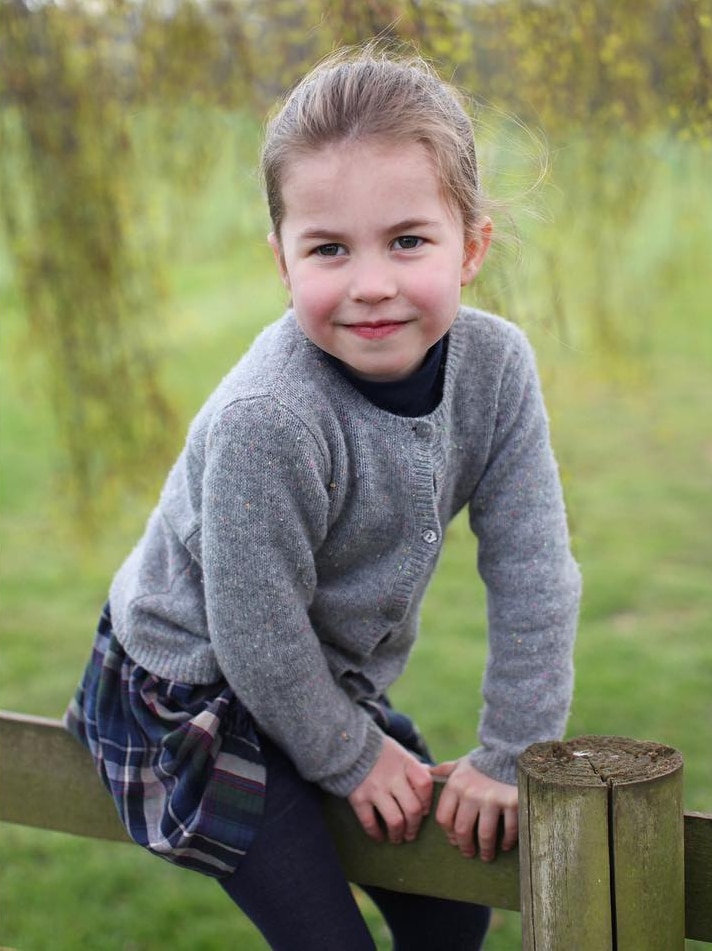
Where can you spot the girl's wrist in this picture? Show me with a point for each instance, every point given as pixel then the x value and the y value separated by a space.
pixel 343 784
pixel 495 764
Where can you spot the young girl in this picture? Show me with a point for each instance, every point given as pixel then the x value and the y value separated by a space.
pixel 242 661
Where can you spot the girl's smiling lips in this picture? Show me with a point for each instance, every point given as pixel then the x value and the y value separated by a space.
pixel 375 330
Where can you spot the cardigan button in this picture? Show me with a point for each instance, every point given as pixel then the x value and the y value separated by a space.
pixel 429 536
pixel 422 430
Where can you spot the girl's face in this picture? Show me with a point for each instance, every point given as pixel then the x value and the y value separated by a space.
pixel 373 254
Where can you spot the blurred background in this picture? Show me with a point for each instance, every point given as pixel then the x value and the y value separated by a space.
pixel 134 271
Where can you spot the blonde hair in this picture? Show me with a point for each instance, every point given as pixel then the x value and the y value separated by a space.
pixel 374 93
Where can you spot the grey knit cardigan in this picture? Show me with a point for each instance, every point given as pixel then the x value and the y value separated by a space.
pixel 296 535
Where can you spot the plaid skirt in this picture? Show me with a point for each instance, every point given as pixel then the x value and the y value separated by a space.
pixel 181 761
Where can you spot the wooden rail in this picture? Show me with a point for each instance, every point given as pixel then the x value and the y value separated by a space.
pixel 47 781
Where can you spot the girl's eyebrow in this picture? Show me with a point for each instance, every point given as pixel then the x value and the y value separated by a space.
pixel 321 234
pixel 412 224
pixel 399 227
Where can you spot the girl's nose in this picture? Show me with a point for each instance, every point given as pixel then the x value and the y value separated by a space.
pixel 372 281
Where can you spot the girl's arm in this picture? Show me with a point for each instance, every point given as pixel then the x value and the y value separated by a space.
pixel 533 583
pixel 265 512
pixel 533 592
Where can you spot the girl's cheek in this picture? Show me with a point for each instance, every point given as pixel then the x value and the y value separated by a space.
pixel 318 298
pixel 313 313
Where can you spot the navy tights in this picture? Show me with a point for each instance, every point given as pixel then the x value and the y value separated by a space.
pixel 292 887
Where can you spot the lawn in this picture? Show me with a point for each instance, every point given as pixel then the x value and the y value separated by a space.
pixel 630 425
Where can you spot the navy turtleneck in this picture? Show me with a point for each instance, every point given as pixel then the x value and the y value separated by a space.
pixel 416 395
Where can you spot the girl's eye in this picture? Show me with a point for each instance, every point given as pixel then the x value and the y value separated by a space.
pixel 329 250
pixel 407 242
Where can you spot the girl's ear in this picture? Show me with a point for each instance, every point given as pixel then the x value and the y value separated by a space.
pixel 476 249
pixel 273 241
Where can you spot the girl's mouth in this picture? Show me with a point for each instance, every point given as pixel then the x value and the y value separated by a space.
pixel 375 331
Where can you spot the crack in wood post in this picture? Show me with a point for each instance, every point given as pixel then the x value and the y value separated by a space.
pixel 612 866
pixel 598 875
pixel 587 757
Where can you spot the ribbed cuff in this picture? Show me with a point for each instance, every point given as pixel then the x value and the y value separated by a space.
pixel 344 783
pixel 495 764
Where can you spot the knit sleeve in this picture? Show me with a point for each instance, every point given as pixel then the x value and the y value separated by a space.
pixel 533 583
pixel 265 509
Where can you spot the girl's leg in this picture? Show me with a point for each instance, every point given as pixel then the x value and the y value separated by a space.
pixel 420 923
pixel 290 884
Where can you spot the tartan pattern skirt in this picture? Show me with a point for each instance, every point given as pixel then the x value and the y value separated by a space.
pixel 181 761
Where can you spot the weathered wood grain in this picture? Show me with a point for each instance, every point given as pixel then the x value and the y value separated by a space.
pixel 649 863
pixel 565 884
pixel 428 866
pixel 698 876
pixel 47 780
pixel 602 852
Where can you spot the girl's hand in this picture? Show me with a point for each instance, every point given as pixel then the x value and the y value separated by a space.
pixel 470 799
pixel 399 789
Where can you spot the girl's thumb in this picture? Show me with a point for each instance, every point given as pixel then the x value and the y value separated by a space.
pixel 443 769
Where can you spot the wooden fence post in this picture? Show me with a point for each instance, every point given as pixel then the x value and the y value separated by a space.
pixel 601 846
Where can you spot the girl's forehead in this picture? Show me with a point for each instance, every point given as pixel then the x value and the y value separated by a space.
pixel 366 156
pixel 373 182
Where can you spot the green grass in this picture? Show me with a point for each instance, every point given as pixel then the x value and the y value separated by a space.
pixel 633 440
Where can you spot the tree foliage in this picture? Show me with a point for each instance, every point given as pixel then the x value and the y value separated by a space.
pixel 79 210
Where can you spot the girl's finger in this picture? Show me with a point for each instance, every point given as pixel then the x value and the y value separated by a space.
pixel 390 811
pixel 366 815
pixel 464 827
pixel 445 812
pixel 421 783
pixel 412 810
pixel 487 824
pixel 511 829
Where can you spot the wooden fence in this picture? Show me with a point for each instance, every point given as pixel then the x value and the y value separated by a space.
pixel 607 861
